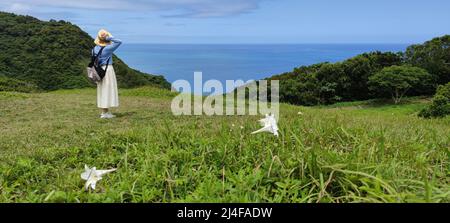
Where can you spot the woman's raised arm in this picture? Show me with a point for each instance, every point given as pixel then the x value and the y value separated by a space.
pixel 115 44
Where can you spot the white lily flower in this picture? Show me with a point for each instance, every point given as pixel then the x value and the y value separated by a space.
pixel 269 125
pixel 93 175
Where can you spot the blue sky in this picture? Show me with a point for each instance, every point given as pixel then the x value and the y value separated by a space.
pixel 249 21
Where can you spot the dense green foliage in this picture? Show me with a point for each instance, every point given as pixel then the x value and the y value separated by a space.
pixel 440 106
pixel 11 84
pixel 54 55
pixel 434 56
pixel 328 83
pixel 398 80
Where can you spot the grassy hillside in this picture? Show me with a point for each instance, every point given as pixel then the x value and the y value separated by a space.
pixel 54 55
pixel 351 152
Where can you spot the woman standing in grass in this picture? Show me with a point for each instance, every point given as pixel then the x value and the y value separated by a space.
pixel 107 92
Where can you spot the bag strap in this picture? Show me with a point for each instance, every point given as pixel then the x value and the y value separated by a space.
pixel 99 53
pixel 107 64
pixel 93 58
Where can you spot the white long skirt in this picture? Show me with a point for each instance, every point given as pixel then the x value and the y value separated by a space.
pixel 107 92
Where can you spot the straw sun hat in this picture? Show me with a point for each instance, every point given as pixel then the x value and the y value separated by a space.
pixel 100 41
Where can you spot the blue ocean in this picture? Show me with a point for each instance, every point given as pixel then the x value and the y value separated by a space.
pixel 234 62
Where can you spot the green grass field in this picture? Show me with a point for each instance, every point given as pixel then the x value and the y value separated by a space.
pixel 350 152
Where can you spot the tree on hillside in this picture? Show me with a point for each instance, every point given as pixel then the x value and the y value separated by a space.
pixel 332 83
pixel 396 81
pixel 360 68
pixel 302 90
pixel 433 56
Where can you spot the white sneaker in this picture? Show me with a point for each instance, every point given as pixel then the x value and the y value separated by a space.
pixel 107 116
pixel 110 115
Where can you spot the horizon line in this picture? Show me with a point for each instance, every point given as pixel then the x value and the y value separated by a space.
pixel 276 43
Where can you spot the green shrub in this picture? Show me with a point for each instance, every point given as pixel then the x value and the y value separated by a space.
pixel 441 104
pixel 10 84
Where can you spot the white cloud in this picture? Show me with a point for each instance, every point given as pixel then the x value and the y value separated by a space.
pixel 178 8
pixel 18 8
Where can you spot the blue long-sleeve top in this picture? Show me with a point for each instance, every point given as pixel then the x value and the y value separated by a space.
pixel 108 51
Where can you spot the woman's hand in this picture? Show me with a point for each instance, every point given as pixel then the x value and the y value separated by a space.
pixel 104 36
